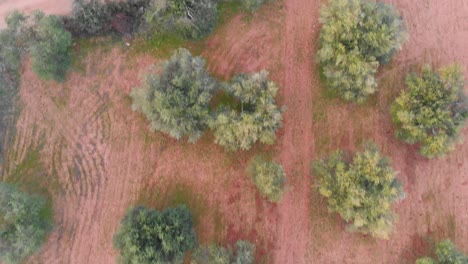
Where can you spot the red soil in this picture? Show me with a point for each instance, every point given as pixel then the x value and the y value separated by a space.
pixel 106 159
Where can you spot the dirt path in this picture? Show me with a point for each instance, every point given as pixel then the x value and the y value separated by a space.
pixel 57 7
pixel 297 143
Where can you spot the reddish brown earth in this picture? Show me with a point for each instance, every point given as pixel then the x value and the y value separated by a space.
pixel 105 159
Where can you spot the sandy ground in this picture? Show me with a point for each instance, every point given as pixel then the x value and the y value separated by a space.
pixel 106 159
pixel 57 7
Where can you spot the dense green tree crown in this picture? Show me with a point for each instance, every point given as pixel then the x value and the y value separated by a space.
pixel 446 253
pixel 356 37
pixel 258 118
pixel 23 224
pixel 13 43
pixel 244 253
pixel 268 176
pixel 148 236
pixel 361 191
pixel 190 18
pixel 432 110
pixel 177 100
pixel 51 49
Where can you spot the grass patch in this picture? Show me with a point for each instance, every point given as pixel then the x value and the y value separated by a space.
pixel 31 177
pixel 83 47
pixel 172 196
pixel 226 10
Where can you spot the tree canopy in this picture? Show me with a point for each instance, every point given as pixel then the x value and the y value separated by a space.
pixel 51 49
pixel 432 110
pixel 268 176
pixel 362 191
pixel 244 253
pixel 24 224
pixel 446 253
pixel 191 19
pixel 147 236
pixel 356 37
pixel 177 100
pixel 257 118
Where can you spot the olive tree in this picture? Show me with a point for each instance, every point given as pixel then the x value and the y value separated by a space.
pixel 446 253
pixel 356 37
pixel 176 101
pixel 432 110
pixel 361 190
pixel 147 236
pixel 268 176
pixel 51 49
pixel 244 253
pixel 24 224
pixel 191 19
pixel 256 119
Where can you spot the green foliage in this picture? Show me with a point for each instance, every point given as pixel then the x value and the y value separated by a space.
pixel 432 110
pixel 425 260
pixel 191 19
pixel 356 37
pixel 50 51
pixel 177 101
pixel 258 118
pixel 446 253
pixel 95 17
pixel 361 191
pixel 268 176
pixel 252 5
pixel 148 236
pixel 92 17
pixel 23 224
pixel 244 253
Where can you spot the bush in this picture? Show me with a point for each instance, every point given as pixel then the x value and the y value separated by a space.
pixel 356 37
pixel 177 101
pixel 268 176
pixel 191 19
pixel 50 51
pixel 432 110
pixel 95 18
pixel 446 253
pixel 24 224
pixel 426 260
pixel 252 5
pixel 361 191
pixel 215 254
pixel 148 236
pixel 258 118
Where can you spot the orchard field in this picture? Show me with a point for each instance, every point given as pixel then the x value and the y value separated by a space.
pixel 93 157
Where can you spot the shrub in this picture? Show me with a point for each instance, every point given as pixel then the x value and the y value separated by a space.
pixel 50 51
pixel 191 19
pixel 268 176
pixel 356 37
pixel 23 224
pixel 361 191
pixel 252 5
pixel 148 236
pixel 426 260
pixel 258 118
pixel 177 101
pixel 432 110
pixel 244 253
pixel 95 18
pixel 446 253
